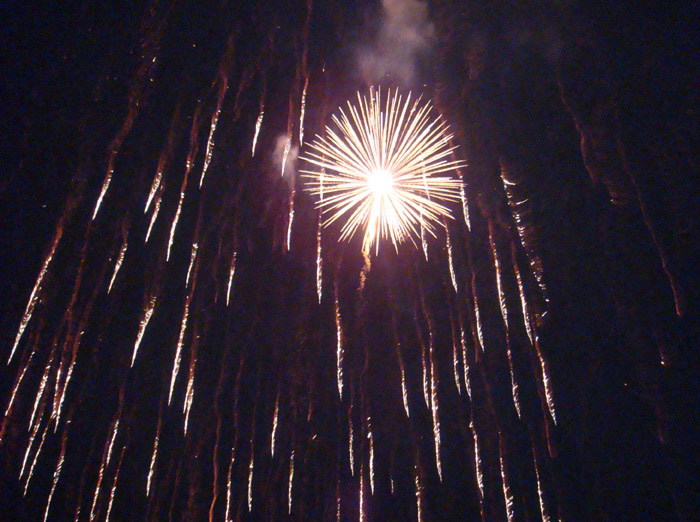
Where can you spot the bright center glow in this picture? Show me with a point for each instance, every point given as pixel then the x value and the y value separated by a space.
pixel 380 182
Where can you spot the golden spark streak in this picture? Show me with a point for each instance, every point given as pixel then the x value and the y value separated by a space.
pixel 275 420
pixel 147 314
pixel 193 256
pixel 384 164
pixel 258 124
pixel 291 482
pixel 154 456
pixel 118 265
pixel 231 271
pixel 154 216
pixel 339 348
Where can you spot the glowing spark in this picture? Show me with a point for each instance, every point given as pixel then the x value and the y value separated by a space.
pixel 105 186
pixel 147 314
pixel 223 87
pixel 114 485
pixel 154 187
pixel 479 329
pixel 420 497
pixel 384 164
pixel 371 460
pixel 258 124
pixel 453 277
pixel 232 270
pixel 36 457
pixel 303 110
pixel 189 395
pixel 404 388
pixel 463 342
pixel 363 514
pixel 523 302
pixel 285 154
pixel 351 443
pixel 251 468
pixel 477 460
pixel 291 220
pixel 154 456
pixel 56 476
pixel 291 483
pixel 339 348
pixel 546 381
pixel 154 216
pixel 435 407
pixel 319 264
pixel 507 493
pixel 515 390
pixel 34 297
pixel 193 256
pixel 178 351
pixel 465 206
pixel 499 279
pixel 274 424
pixel 540 492
pixel 118 264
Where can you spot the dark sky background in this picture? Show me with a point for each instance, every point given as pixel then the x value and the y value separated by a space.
pixel 579 124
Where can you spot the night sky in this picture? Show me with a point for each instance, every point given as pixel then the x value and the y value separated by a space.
pixel 547 343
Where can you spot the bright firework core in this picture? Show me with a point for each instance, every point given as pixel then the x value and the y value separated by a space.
pixel 380 182
pixel 382 167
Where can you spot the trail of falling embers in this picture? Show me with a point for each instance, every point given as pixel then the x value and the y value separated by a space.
pixel 339 353
pixel 147 314
pixel 402 369
pixel 118 264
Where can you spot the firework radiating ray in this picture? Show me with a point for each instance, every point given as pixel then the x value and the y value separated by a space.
pixel 387 165
pixel 118 264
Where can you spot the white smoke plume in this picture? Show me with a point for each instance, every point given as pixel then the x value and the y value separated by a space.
pixel 405 34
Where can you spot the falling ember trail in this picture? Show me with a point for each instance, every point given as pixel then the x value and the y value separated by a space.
pixel 274 424
pixel 291 483
pixel 147 314
pixel 193 256
pixel 339 347
pixel 118 264
pixel 231 272
pixel 397 345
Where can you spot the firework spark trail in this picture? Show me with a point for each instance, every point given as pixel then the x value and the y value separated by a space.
pixel 118 264
pixel 275 419
pixel 34 296
pixel 463 342
pixel 420 489
pixel 156 211
pixel 251 470
pixel 434 404
pixel 56 476
pixel 36 458
pixel 40 399
pixel 258 123
pixel 189 394
pixel 340 354
pixel 147 314
pixel 544 510
pixel 113 491
pixel 477 461
pixel 189 163
pixel 423 237
pixel 465 202
pixel 13 396
pixel 499 278
pixel 154 455
pixel 290 219
pixel 319 263
pixel 521 289
pixel 106 456
pixel 227 515
pixel 546 380
pixel 231 272
pixel 477 315
pixel 424 361
pixel 363 513
pixel 397 346
pixel 370 437
pixel 351 437
pixel 28 451
pixel 378 161
pixel 507 493
pixel 165 155
pixel 291 482
pixel 337 500
pixel 521 210
pixel 455 352
pixel 193 256
pixel 136 98
pixel 515 388
pixel 450 261
pixel 222 80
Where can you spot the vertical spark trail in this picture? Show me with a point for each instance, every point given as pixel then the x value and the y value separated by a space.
pixel 363 513
pixel 189 395
pixel 227 515
pixel 223 87
pixel 370 437
pixel 42 387
pixel 291 482
pixel 499 278
pixel 36 458
pixel 302 111
pixel 181 339
pixel 258 124
pixel 193 256
pixel 463 342
pixel 455 354
pixel 147 314
pixel 155 186
pixel 424 362
pixel 154 456
pixel 20 378
pixel 319 263
pixel 290 219
pixel 231 272
pixel 423 237
pixel 34 296
pixel 523 302
pixel 29 447
pixel 479 327
pixel 251 468
pixel 156 211
pixel 402 369
pixel 450 261
pixel 351 439
pixel 465 204
pixel 274 423
pixel 546 381
pixel 106 456
pixel 337 501
pixel 285 154
pixel 165 155
pixel 118 264
pixel 540 493
pixel 113 492
pixel 339 354
pixel 56 476
pixel 189 163
pixel 477 461
pixel 434 403
pixel 507 493
pixel 420 490
pixel 515 389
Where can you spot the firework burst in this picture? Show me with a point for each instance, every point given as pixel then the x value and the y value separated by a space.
pixel 383 167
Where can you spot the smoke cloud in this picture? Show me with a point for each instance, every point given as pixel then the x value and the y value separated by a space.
pixel 406 33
